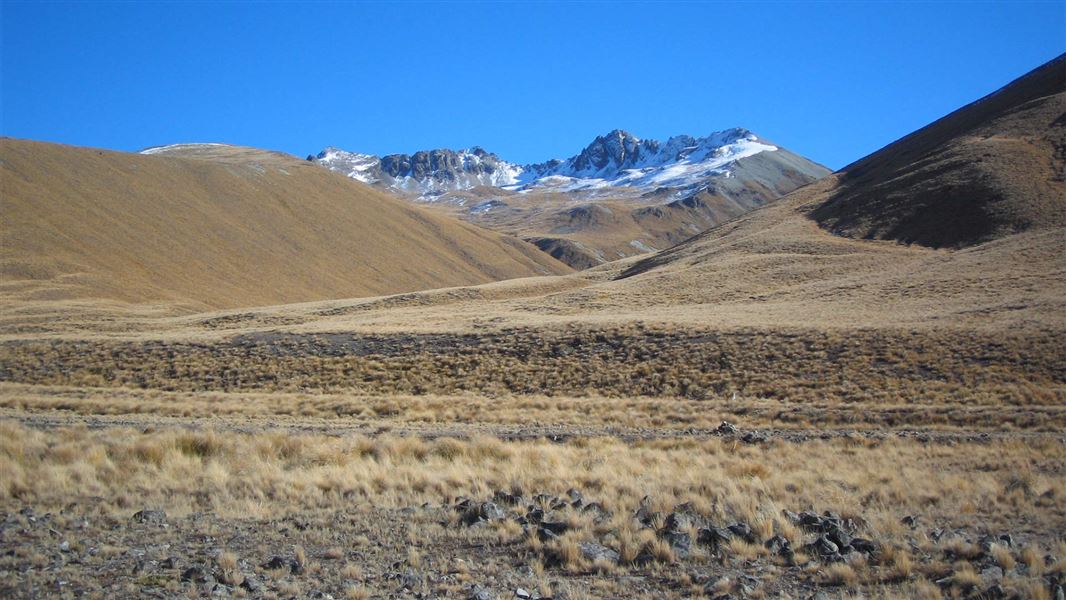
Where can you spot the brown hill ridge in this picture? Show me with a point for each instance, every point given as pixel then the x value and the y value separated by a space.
pixel 222 226
pixel 992 168
pixel 796 262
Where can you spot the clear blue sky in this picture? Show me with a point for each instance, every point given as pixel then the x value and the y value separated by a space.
pixel 530 81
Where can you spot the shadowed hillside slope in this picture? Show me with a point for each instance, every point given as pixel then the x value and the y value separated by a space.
pixel 992 168
pixel 220 226
pixel 989 172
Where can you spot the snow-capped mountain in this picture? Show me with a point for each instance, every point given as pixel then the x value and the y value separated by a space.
pixel 620 159
pixel 427 173
pixel 615 160
pixel 619 196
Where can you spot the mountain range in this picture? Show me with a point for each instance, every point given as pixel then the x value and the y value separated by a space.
pixel 619 196
pixel 617 159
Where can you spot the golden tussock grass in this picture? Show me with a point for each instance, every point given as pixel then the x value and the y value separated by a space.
pixel 869 366
pixel 840 575
pixel 267 473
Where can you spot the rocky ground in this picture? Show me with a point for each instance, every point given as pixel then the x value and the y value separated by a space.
pixel 507 547
pixel 510 542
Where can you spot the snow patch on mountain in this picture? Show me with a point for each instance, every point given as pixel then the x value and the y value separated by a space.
pixel 353 164
pixel 177 147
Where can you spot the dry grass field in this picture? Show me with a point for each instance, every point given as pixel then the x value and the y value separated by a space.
pixel 385 516
pixel 778 407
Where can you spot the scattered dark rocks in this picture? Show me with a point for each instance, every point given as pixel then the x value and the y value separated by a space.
pixel 535 515
pixel 678 521
pixel 594 552
pixel 727 428
pixel 992 574
pixel 507 498
pixel 546 535
pixel 824 549
pixel 987 541
pixel 754 437
pixel 558 504
pixel 714 588
pixel 490 511
pixel 680 542
pixel 601 513
pixel 475 513
pixel 838 536
pixel 252 585
pixel 410 580
pixel 714 537
pixel 555 527
pixel 779 545
pixel 159 565
pixel 479 593
pixel 197 575
pixel 835 536
pixel 645 557
pixel 995 591
pixel 645 515
pixel 834 530
pixel 863 545
pixel 747 584
pixel 551 530
pixel 283 562
pixel 743 531
pixel 809 521
pixel 150 516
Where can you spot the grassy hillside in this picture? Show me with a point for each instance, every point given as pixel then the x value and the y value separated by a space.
pixel 225 227
pixel 992 168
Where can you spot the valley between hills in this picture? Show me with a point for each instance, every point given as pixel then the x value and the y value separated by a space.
pixel 230 372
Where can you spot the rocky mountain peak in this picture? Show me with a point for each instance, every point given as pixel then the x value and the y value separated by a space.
pixel 616 149
pixel 616 159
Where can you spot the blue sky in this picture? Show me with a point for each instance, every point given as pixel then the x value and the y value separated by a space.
pixel 529 81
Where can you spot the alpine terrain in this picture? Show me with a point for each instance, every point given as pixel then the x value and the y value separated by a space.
pixel 619 196
pixel 231 373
